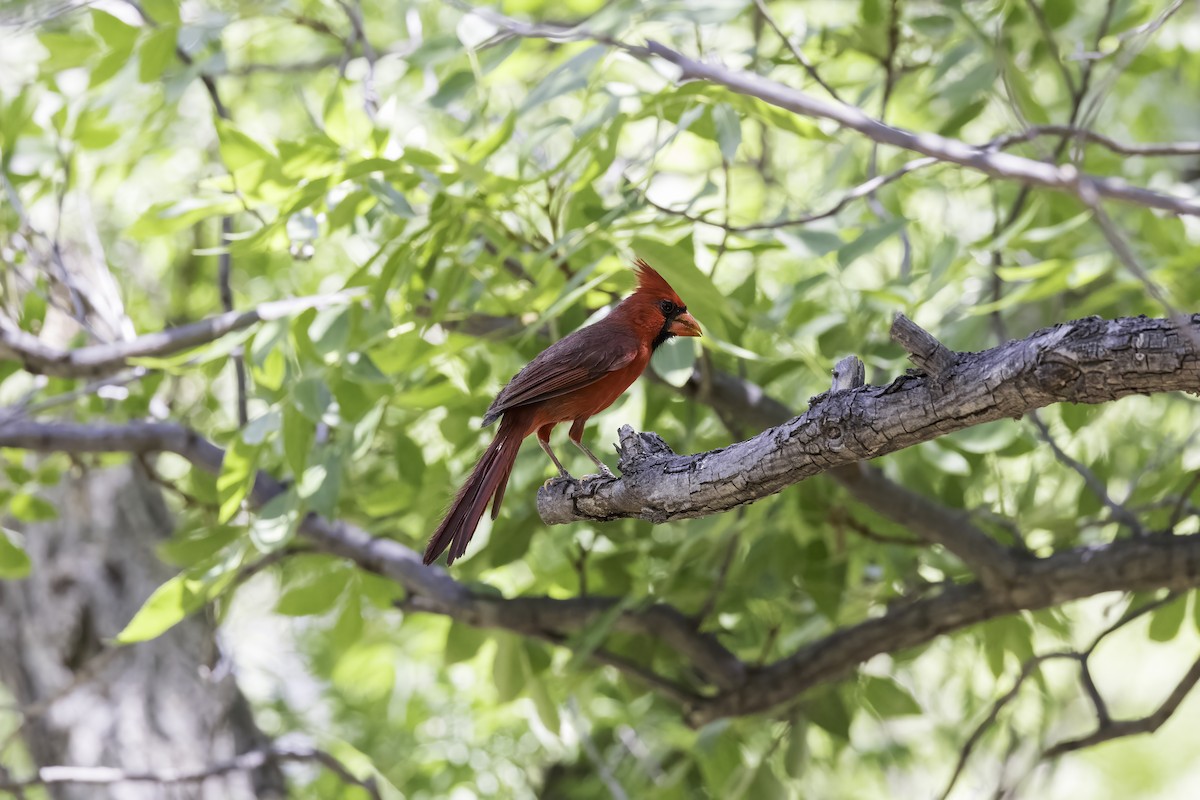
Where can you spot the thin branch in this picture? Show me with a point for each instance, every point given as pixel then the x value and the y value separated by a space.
pixel 1119 512
pixel 353 11
pixel 864 189
pixel 601 768
pixel 224 275
pixel 1116 729
pixel 1052 44
pixel 718 586
pixel 1027 669
pixel 105 359
pixel 1125 254
pixel 998 165
pixel 1031 665
pixel 797 53
pixel 1086 135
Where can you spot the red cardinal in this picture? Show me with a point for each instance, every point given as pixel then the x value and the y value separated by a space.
pixel 574 378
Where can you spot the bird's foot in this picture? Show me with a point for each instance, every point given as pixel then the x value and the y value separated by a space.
pixel 563 475
pixel 604 472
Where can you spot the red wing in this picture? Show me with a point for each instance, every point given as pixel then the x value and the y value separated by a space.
pixel 573 362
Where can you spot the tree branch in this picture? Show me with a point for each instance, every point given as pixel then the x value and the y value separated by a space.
pixel 983 159
pixel 1109 729
pixel 1130 565
pixel 1085 361
pixel 104 359
pixel 1085 135
pixel 1126 565
pixel 998 165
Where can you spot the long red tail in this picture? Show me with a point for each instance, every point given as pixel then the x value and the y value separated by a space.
pixel 488 479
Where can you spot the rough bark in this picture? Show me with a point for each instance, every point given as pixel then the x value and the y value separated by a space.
pixel 168 703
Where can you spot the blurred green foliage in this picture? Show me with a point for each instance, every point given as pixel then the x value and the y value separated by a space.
pixel 486 193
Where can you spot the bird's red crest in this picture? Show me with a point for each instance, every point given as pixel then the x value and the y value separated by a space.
pixel 650 282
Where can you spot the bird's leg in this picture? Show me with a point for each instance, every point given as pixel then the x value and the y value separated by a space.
pixel 576 437
pixel 543 437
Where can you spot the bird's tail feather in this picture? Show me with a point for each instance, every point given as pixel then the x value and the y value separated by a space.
pixel 487 480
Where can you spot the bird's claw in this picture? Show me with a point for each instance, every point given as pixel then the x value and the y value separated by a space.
pixel 604 472
pixel 563 475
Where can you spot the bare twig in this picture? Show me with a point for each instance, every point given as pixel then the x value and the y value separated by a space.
pixel 1033 664
pixel 862 190
pixel 797 53
pixel 1086 135
pixel 1110 729
pixel 1119 512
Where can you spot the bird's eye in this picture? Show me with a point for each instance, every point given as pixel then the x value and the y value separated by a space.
pixel 667 307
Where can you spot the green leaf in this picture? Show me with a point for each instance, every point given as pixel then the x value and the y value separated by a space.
pixel 161 11
pixel 868 240
pixel 67 50
pixel 115 33
pixel 453 88
pixel 298 434
pixel 165 608
pixel 275 523
pixel 172 216
pixel 765 785
pixel 366 672
pixel 546 708
pixel 797 756
pixel 584 643
pixel 1058 12
pixel 321 483
pixel 316 594
pixel 260 428
pixel 1166 621
pixel 572 75
pixel 729 131
pixel 238 149
pixel 156 52
pixel 31 508
pixel 888 698
pixel 330 331
pixel 236 478
pixel 826 709
pixel 14 561
pixel 311 397
pixel 462 643
pixel 508 667
pixel 481 150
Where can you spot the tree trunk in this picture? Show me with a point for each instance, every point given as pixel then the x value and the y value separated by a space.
pixel 168 704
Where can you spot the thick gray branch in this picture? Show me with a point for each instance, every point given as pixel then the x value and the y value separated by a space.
pixel 1127 566
pixel 1085 361
pixel 105 359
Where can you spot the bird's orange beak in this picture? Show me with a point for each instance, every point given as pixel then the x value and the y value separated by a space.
pixel 685 325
